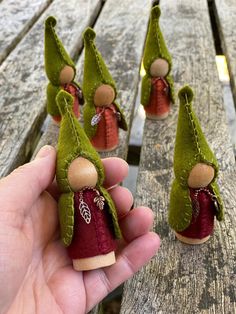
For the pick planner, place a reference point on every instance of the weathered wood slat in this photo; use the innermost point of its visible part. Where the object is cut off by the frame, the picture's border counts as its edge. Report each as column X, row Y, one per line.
column 23, row 82
column 225, row 11
column 121, row 29
column 181, row 278
column 16, row 18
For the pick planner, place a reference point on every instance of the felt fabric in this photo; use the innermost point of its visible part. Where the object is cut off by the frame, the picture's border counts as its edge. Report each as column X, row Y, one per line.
column 155, row 48
column 95, row 238
column 191, row 148
column 96, row 73
column 159, row 102
column 52, row 92
column 73, row 143
column 106, row 136
column 202, row 222
column 56, row 58
column 55, row 55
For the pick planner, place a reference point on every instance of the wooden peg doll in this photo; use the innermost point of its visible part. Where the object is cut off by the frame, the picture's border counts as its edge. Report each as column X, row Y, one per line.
column 195, row 198
column 60, row 70
column 157, row 91
column 88, row 217
column 102, row 115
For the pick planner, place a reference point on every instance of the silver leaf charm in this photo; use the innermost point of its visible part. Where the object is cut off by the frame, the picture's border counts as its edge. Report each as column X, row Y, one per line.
column 85, row 211
column 99, row 201
column 95, row 119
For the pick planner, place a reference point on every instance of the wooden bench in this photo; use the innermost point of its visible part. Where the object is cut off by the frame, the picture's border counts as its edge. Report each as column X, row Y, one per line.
column 185, row 279
column 180, row 279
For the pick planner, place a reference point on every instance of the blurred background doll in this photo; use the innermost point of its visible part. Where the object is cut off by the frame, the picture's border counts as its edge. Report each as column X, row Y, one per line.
column 102, row 115
column 157, row 85
column 60, row 70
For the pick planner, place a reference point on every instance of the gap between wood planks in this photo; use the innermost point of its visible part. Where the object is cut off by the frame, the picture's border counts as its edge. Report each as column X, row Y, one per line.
column 225, row 83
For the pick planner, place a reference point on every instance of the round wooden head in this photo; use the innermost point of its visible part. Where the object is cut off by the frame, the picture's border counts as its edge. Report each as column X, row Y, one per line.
column 159, row 68
column 66, row 75
column 200, row 176
column 104, row 95
column 82, row 173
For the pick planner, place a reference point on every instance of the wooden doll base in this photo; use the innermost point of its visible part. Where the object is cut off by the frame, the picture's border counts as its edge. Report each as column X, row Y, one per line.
column 100, row 150
column 161, row 117
column 191, row 240
column 94, row 262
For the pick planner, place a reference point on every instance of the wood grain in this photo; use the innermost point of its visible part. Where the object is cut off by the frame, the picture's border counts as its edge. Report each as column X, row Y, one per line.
column 23, row 81
column 120, row 38
column 16, row 18
column 182, row 278
column 225, row 11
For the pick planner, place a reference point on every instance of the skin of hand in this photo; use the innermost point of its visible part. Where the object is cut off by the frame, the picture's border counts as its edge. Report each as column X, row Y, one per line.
column 36, row 274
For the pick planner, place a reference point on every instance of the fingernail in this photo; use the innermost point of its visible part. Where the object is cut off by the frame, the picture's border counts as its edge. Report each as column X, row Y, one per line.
column 44, row 151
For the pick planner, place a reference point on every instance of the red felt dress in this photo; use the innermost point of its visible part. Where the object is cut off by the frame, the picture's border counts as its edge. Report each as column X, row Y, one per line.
column 159, row 102
column 204, row 210
column 73, row 90
column 107, row 134
column 93, row 233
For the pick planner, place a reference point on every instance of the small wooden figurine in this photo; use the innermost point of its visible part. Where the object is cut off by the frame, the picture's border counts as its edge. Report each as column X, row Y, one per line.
column 102, row 115
column 60, row 70
column 88, row 217
column 157, row 91
column 195, row 197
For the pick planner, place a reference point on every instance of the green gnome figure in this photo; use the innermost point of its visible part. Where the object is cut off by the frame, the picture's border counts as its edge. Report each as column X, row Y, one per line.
column 157, row 91
column 102, row 115
column 195, row 198
column 87, row 214
column 60, row 70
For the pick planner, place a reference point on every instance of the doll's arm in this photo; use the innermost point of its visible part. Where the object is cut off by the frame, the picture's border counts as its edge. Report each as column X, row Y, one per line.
column 220, row 211
column 171, row 86
column 122, row 122
column 145, row 90
column 52, row 107
column 180, row 208
column 66, row 217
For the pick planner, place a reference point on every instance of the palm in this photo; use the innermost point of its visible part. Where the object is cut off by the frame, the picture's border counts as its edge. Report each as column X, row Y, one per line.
column 37, row 271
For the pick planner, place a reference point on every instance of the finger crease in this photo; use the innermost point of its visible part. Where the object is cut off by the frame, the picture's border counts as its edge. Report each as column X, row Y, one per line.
column 106, row 282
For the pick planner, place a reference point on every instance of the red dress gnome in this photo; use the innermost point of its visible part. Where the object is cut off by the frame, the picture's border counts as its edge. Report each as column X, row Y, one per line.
column 157, row 85
column 102, row 115
column 88, row 218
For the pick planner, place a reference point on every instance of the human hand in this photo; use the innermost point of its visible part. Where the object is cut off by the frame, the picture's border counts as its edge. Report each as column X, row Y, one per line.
column 36, row 274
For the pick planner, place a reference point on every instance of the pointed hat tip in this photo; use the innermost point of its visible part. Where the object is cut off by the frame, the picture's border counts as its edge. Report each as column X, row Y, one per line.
column 156, row 11
column 89, row 34
column 185, row 94
column 50, row 21
column 64, row 101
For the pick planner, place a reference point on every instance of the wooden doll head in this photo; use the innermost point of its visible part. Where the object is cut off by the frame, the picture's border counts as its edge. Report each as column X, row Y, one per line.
column 66, row 75
column 159, row 68
column 104, row 95
column 201, row 176
column 82, row 173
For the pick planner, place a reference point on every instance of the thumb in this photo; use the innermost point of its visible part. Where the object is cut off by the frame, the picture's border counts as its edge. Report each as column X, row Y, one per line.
column 20, row 189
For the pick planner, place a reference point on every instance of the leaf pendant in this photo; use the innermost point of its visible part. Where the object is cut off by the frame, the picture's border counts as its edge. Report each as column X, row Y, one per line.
column 99, row 201
column 85, row 211
column 95, row 119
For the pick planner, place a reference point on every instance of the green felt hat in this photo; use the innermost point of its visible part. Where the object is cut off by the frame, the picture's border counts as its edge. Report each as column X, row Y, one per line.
column 95, row 69
column 191, row 146
column 155, row 46
column 72, row 143
column 55, row 55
